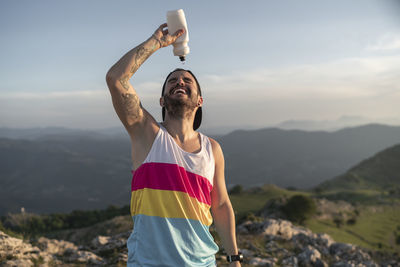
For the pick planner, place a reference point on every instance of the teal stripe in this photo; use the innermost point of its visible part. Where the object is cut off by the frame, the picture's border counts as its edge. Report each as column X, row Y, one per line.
column 158, row 241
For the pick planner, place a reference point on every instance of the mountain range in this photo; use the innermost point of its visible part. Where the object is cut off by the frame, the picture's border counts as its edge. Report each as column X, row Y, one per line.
column 301, row 159
column 380, row 172
column 60, row 172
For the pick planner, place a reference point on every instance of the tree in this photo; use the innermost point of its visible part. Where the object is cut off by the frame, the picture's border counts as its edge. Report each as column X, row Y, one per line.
column 299, row 208
column 352, row 221
column 338, row 221
column 237, row 189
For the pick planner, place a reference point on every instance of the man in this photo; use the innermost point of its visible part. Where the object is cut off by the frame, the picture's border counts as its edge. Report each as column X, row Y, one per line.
column 178, row 172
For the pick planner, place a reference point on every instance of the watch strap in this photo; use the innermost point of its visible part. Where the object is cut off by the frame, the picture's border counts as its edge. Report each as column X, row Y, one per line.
column 232, row 258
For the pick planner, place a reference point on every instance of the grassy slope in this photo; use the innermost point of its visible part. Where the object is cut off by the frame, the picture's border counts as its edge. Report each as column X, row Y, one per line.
column 247, row 202
column 380, row 172
column 360, row 196
column 375, row 224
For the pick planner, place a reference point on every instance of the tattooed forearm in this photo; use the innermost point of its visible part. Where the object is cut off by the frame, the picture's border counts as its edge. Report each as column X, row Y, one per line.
column 131, row 105
column 141, row 55
column 131, row 61
column 124, row 81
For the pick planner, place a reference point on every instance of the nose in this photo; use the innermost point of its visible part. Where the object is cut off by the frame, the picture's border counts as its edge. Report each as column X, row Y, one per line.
column 181, row 82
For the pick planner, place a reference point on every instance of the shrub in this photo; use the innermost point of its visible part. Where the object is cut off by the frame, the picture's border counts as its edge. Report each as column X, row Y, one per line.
column 351, row 221
column 318, row 190
column 291, row 188
column 398, row 239
column 299, row 208
column 237, row 189
column 338, row 221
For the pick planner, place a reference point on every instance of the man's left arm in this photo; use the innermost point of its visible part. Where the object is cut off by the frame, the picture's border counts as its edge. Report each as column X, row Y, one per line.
column 221, row 207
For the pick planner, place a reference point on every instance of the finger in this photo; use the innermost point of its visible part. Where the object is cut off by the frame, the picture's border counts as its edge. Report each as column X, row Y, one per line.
column 179, row 32
column 165, row 32
column 162, row 26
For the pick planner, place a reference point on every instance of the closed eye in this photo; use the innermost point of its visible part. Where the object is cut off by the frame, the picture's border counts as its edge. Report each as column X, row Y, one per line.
column 172, row 80
column 188, row 80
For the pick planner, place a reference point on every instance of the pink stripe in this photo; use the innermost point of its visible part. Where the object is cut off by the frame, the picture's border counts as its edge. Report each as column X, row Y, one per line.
column 166, row 176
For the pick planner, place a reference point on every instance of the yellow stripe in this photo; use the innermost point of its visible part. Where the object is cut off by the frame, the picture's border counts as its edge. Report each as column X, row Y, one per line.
column 169, row 204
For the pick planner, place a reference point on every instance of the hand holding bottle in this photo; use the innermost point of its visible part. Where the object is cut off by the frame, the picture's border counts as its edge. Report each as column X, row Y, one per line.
column 164, row 37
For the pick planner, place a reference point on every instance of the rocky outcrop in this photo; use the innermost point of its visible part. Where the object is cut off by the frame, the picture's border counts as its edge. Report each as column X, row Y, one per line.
column 271, row 242
column 297, row 246
column 15, row 252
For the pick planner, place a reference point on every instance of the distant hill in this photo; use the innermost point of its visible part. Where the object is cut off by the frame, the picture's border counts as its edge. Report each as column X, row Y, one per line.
column 48, row 132
column 380, row 172
column 300, row 158
column 325, row 125
column 62, row 172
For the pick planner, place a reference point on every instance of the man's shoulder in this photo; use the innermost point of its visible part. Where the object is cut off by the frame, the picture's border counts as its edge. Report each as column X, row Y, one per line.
column 216, row 147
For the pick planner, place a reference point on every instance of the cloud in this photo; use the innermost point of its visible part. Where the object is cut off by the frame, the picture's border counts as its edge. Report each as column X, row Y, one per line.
column 387, row 42
column 51, row 95
column 147, row 88
column 341, row 79
column 365, row 86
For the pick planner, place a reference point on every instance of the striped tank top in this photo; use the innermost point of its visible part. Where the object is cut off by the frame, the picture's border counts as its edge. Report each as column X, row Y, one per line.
column 170, row 206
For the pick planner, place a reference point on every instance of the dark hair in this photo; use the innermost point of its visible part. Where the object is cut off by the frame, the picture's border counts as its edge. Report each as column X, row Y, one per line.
column 199, row 113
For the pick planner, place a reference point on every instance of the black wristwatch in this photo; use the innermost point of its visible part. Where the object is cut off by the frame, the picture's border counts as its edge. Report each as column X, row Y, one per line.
column 232, row 258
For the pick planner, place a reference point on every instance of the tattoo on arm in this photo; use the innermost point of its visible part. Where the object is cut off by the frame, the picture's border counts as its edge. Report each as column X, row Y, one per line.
column 141, row 55
column 124, row 81
column 131, row 105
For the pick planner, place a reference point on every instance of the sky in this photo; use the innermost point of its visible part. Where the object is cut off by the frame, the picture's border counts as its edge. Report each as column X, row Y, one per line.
column 258, row 62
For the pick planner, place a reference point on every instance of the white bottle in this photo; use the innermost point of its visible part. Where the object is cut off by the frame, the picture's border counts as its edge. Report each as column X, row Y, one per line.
column 176, row 20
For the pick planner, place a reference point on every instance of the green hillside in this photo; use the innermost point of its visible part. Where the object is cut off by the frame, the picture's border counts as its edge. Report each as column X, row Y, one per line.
column 378, row 173
column 253, row 200
column 376, row 227
column 372, row 222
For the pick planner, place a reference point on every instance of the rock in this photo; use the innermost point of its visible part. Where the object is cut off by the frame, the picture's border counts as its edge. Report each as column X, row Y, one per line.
column 351, row 254
column 343, row 264
column 75, row 256
column 247, row 253
column 18, row 263
column 341, row 248
column 16, row 251
column 324, row 240
column 320, row 263
column 273, row 241
column 309, row 256
column 54, row 246
column 109, row 244
column 100, row 241
column 291, row 261
column 272, row 227
column 46, row 253
column 242, row 228
column 262, row 262
column 10, row 245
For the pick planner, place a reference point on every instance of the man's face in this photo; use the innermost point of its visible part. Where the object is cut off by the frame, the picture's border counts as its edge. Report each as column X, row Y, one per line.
column 181, row 84
column 181, row 93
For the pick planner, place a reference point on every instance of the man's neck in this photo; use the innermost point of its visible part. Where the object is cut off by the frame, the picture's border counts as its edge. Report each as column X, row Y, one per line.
column 181, row 129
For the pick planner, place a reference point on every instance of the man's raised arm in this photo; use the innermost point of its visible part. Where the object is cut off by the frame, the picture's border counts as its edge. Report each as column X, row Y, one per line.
column 125, row 100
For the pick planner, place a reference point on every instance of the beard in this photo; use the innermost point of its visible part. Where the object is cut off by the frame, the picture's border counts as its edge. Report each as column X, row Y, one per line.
column 179, row 108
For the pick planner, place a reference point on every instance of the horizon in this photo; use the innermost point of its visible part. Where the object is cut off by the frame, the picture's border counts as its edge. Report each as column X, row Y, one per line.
column 278, row 62
column 341, row 123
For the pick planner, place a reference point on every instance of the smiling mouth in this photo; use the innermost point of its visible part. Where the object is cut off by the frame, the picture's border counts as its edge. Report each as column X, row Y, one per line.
column 179, row 91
